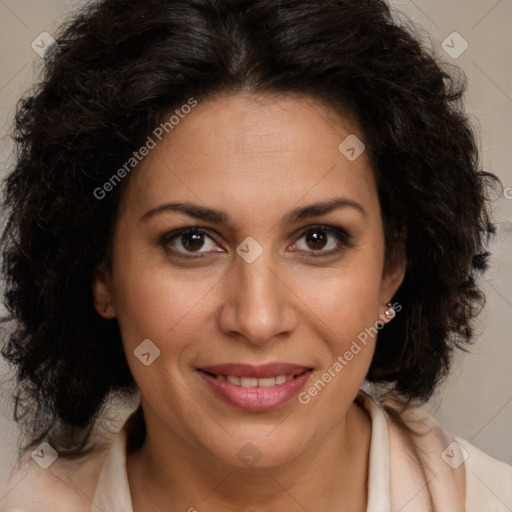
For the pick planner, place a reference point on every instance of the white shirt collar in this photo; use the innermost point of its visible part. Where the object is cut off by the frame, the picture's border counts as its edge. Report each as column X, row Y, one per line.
column 113, row 491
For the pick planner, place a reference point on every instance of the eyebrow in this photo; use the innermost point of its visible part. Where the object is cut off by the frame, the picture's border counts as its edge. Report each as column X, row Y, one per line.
column 219, row 217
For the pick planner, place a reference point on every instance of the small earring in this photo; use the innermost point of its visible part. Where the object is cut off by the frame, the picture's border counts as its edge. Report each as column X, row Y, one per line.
column 101, row 307
column 390, row 312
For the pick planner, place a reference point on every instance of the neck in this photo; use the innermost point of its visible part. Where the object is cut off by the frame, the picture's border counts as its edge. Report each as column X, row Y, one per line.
column 330, row 474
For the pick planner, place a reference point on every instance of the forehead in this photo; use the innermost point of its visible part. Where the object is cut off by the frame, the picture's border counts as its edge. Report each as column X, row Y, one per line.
column 237, row 150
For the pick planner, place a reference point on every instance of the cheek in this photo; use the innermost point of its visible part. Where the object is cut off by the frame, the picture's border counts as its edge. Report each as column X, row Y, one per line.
column 167, row 308
column 346, row 301
column 344, row 312
column 156, row 302
column 345, row 304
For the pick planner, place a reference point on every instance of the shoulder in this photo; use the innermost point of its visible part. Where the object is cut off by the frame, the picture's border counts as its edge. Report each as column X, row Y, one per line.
column 60, row 487
column 428, row 464
column 488, row 480
column 56, row 484
column 459, row 473
column 41, row 481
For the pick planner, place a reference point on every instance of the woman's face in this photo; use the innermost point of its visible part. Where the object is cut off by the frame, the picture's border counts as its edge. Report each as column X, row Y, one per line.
column 287, row 267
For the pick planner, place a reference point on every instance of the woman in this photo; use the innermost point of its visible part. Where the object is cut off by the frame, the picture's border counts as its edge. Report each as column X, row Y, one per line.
column 244, row 210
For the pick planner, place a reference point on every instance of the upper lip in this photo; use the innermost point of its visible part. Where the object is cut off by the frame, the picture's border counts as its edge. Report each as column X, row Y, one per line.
column 259, row 372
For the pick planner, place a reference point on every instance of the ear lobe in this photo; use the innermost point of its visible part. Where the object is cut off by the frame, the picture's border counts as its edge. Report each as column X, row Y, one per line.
column 102, row 293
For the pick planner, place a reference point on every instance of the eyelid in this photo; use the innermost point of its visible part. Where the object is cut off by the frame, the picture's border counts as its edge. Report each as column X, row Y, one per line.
column 166, row 239
column 341, row 234
column 329, row 228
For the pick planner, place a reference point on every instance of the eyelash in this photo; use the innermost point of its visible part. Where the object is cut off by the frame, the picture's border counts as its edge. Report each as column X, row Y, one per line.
column 343, row 237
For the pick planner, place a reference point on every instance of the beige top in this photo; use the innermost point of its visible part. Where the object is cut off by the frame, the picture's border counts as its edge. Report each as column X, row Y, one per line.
column 461, row 477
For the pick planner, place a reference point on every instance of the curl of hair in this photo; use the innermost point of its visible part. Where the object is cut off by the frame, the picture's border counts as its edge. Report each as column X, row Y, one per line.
column 120, row 66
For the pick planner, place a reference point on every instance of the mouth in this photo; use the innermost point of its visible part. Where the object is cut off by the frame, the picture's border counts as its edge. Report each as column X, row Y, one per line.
column 253, row 382
column 255, row 388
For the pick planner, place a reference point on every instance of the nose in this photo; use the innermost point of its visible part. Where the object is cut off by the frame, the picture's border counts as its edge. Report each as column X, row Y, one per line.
column 258, row 305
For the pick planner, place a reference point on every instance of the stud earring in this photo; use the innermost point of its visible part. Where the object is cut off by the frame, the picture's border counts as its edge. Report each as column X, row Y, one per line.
column 390, row 312
column 101, row 308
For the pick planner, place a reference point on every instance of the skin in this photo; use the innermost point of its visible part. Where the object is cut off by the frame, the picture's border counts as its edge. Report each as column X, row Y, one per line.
column 256, row 158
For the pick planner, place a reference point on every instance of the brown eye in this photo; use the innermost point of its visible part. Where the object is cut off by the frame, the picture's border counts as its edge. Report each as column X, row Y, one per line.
column 323, row 241
column 192, row 241
column 316, row 240
column 189, row 240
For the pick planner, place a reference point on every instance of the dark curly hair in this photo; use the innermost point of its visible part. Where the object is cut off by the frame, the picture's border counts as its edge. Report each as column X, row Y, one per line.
column 119, row 67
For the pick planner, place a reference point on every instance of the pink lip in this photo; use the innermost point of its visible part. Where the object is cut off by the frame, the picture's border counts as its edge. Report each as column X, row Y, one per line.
column 256, row 399
column 258, row 372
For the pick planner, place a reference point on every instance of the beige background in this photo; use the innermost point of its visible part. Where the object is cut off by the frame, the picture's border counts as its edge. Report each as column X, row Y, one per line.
column 476, row 403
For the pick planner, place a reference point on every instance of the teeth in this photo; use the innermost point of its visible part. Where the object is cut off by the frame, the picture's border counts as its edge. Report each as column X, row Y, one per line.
column 248, row 382
column 252, row 382
column 267, row 382
column 233, row 380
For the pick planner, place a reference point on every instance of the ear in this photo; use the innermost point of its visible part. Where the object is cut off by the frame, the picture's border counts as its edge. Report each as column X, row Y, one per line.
column 394, row 273
column 101, row 290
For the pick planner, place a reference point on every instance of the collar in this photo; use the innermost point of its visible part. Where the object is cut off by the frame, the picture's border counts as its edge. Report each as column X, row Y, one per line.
column 113, row 491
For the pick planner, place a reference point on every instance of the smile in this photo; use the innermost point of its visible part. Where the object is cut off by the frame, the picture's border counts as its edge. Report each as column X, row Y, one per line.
column 255, row 388
column 252, row 382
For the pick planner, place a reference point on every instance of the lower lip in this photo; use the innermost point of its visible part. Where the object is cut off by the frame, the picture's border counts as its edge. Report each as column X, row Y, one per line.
column 256, row 399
